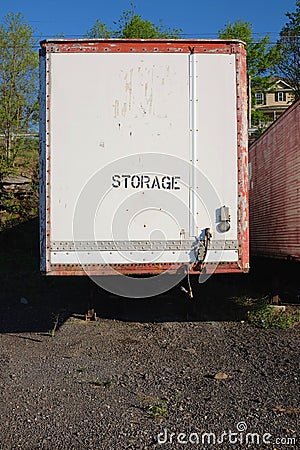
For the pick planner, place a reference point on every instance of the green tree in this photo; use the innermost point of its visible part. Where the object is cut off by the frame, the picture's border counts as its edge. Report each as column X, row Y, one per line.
column 18, row 88
column 99, row 30
column 262, row 58
column 131, row 26
column 289, row 47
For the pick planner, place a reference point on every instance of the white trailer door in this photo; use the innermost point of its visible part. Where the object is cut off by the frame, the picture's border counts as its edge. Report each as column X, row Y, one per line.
column 215, row 152
column 113, row 116
column 143, row 149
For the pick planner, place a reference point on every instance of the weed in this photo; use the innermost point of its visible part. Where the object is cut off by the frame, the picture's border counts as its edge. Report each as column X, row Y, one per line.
column 103, row 383
column 156, row 407
column 260, row 313
column 243, row 301
column 81, row 369
column 52, row 332
column 157, row 410
column 265, row 316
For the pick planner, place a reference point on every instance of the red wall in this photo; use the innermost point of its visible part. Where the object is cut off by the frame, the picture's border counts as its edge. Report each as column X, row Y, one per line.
column 274, row 188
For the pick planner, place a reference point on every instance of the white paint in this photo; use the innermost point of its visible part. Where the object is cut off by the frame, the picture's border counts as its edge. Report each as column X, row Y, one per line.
column 132, row 257
column 217, row 136
column 103, row 108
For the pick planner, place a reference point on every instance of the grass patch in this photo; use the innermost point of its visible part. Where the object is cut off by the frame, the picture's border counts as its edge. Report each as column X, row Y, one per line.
column 158, row 410
column 155, row 407
column 261, row 314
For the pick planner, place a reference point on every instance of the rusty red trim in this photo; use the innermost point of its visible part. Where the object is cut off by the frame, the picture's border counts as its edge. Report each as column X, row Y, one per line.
column 142, row 269
column 141, row 46
column 242, row 141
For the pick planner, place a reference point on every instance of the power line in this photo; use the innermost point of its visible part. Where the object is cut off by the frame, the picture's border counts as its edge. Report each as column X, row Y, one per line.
column 181, row 35
column 263, row 34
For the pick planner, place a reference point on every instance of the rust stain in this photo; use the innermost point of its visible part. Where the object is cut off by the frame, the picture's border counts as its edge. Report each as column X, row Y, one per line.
column 242, row 136
column 129, row 88
column 116, row 109
column 141, row 46
column 141, row 268
column 124, row 109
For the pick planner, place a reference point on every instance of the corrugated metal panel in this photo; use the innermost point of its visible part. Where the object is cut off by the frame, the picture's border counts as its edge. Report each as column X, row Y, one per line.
column 275, row 188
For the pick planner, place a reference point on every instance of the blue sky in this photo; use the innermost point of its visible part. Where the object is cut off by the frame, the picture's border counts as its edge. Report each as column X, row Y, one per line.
column 197, row 18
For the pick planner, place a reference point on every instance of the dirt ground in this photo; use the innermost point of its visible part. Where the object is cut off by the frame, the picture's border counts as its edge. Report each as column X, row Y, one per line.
column 165, row 372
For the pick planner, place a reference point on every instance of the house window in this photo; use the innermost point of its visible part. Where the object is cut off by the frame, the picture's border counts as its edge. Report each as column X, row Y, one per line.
column 280, row 96
column 260, row 98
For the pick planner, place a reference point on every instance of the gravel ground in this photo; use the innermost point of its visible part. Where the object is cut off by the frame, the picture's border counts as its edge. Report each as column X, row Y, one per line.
column 131, row 383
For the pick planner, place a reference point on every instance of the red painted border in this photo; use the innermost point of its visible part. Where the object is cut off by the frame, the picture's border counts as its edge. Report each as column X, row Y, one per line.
column 242, row 141
column 142, row 269
column 141, row 46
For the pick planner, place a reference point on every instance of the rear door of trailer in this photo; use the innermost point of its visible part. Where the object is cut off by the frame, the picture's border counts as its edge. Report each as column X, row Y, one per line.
column 143, row 148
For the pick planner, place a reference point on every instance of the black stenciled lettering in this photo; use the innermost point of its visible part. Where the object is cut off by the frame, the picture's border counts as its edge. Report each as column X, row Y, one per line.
column 135, row 181
column 166, row 182
column 116, row 181
column 145, row 181
column 174, row 183
column 155, row 183
column 126, row 178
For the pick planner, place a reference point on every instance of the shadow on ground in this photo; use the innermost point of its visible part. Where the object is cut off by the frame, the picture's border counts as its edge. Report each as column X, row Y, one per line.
column 30, row 302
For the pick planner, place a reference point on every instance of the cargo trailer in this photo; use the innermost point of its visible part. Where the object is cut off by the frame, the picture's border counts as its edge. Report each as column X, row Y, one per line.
column 274, row 188
column 143, row 157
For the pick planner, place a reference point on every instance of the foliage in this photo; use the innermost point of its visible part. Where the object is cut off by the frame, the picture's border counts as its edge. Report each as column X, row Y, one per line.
column 131, row 26
column 261, row 314
column 259, row 120
column 155, row 406
column 18, row 88
column 16, row 207
column 262, row 58
column 157, row 410
column 99, row 30
column 289, row 47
